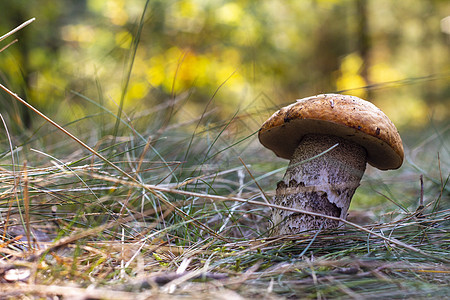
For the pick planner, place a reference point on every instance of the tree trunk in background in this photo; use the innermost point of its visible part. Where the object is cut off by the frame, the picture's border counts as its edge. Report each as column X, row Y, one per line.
column 363, row 39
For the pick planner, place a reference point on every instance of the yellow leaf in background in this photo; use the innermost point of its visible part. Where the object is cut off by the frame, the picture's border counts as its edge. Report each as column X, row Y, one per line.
column 351, row 64
column 185, row 16
column 403, row 110
column 115, row 10
column 230, row 13
column 155, row 74
column 78, row 33
column 350, row 78
column 123, row 39
column 382, row 72
column 352, row 82
column 138, row 90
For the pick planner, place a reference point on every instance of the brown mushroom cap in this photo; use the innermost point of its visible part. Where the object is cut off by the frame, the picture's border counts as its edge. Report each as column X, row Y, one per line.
column 345, row 116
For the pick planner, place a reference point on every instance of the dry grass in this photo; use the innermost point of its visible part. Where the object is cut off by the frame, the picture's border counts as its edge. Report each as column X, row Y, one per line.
column 97, row 235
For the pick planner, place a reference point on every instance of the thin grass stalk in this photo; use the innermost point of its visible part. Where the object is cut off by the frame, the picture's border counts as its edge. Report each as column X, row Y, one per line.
column 266, row 198
column 14, row 177
column 26, row 201
column 8, row 45
column 203, row 115
column 135, row 45
column 26, row 23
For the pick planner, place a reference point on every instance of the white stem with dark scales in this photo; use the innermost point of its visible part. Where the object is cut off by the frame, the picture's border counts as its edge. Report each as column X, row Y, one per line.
column 325, row 184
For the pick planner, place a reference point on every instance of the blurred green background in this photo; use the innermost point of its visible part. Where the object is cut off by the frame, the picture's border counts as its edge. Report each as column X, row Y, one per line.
column 249, row 57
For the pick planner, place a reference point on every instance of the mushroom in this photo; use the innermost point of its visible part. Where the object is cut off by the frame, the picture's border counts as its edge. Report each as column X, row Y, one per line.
column 328, row 139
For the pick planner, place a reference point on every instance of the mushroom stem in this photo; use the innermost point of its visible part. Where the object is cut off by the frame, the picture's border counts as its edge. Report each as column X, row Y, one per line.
column 323, row 185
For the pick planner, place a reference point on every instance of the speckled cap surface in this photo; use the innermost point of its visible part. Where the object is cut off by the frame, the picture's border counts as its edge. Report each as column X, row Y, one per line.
column 345, row 116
